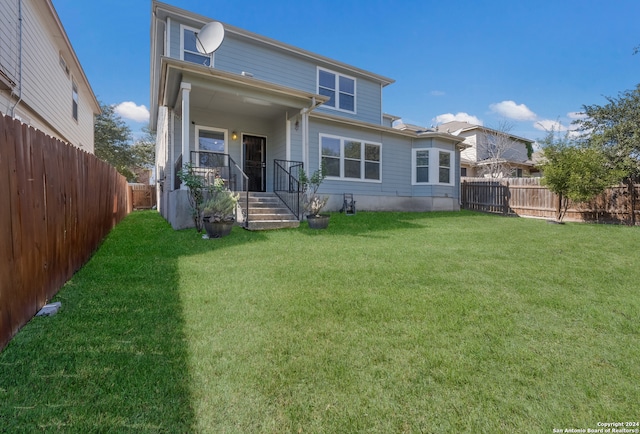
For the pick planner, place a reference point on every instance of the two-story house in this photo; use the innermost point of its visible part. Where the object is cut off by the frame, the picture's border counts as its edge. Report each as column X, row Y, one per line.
column 41, row 80
column 492, row 153
column 269, row 108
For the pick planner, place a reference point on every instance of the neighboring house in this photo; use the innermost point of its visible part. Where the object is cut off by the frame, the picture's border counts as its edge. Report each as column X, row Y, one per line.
column 41, row 80
column 492, row 153
column 271, row 108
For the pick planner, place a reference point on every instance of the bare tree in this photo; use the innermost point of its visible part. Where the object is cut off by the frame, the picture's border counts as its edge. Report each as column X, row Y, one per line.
column 496, row 151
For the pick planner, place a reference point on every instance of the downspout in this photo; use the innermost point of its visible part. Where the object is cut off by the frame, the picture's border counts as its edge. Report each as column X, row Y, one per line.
column 13, row 109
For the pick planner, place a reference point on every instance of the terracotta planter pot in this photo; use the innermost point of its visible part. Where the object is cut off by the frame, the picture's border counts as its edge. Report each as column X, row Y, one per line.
column 318, row 222
column 218, row 229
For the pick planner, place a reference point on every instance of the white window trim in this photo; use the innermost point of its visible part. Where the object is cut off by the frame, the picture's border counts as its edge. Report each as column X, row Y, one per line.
column 193, row 29
column 75, row 101
column 342, row 158
column 215, row 130
column 337, row 90
column 434, row 166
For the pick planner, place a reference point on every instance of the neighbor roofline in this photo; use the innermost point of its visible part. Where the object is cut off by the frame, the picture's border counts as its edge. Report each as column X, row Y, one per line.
column 481, row 127
column 457, row 141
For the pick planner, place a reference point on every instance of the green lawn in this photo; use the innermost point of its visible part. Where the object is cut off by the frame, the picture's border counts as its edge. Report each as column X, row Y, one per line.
column 385, row 322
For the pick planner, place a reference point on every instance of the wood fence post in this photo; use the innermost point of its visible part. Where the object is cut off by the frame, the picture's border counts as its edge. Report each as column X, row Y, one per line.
column 463, row 194
column 505, row 199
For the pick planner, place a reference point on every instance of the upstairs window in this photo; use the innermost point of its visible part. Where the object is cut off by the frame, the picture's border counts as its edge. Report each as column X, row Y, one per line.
column 74, row 100
column 189, row 50
column 350, row 159
column 341, row 90
column 63, row 65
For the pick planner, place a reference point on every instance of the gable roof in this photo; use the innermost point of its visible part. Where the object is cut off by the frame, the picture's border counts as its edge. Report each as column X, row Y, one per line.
column 162, row 10
column 457, row 127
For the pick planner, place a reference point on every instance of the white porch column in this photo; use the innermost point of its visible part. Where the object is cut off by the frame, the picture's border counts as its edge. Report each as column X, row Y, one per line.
column 305, row 140
column 288, row 139
column 185, row 89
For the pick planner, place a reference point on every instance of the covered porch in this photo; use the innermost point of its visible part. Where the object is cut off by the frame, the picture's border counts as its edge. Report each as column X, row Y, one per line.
column 251, row 122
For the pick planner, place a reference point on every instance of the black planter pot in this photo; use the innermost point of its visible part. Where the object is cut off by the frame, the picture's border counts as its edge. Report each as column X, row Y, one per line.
column 318, row 222
column 218, row 229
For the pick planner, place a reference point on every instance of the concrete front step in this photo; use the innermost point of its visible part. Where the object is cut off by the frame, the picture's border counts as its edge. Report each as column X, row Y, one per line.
column 264, row 225
column 267, row 212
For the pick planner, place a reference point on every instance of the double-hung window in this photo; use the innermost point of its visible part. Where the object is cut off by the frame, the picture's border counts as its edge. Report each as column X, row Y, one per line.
column 189, row 50
column 211, row 146
column 432, row 166
column 74, row 100
column 341, row 89
column 350, row 159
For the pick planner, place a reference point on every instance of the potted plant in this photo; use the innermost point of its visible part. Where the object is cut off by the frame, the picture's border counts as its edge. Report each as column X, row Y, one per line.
column 312, row 202
column 197, row 188
column 219, row 210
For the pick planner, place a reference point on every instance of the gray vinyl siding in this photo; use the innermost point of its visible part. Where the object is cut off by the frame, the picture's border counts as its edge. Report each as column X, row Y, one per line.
column 9, row 40
column 368, row 103
column 176, row 130
column 174, row 39
column 274, row 65
column 296, row 142
column 436, row 190
column 396, row 160
column 395, row 155
column 46, row 88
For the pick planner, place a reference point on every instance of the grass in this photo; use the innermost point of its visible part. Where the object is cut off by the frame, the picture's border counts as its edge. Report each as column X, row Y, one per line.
column 385, row 322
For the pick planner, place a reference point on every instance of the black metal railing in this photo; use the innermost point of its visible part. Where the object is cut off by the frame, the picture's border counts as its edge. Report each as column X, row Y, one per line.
column 212, row 165
column 286, row 183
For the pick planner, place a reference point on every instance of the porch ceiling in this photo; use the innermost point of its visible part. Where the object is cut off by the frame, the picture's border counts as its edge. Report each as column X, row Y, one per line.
column 215, row 90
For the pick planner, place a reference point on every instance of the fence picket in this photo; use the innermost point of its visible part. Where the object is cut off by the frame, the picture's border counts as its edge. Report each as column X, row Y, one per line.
column 527, row 197
column 57, row 205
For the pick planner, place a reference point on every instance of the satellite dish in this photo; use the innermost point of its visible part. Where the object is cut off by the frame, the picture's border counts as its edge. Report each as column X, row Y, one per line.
column 209, row 38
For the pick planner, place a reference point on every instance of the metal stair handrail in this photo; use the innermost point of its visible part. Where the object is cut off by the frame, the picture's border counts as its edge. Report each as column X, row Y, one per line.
column 286, row 183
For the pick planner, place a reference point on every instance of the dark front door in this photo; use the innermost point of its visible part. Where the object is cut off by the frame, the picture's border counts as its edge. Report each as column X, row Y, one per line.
column 255, row 163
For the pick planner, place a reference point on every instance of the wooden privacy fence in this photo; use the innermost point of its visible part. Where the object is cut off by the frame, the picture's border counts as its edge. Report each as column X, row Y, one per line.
column 57, row 203
column 527, row 197
column 142, row 196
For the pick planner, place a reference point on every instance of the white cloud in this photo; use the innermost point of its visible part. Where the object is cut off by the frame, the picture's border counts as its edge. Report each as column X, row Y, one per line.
column 129, row 110
column 511, row 110
column 460, row 116
column 548, row 125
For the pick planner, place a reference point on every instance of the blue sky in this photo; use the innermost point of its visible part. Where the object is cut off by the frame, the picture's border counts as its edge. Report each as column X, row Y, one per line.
column 529, row 63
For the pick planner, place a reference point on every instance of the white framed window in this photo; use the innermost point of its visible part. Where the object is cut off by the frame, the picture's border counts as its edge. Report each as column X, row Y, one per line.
column 431, row 166
column 421, row 166
column 340, row 88
column 74, row 100
column 188, row 49
column 351, row 159
column 63, row 65
column 208, row 141
column 444, row 167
